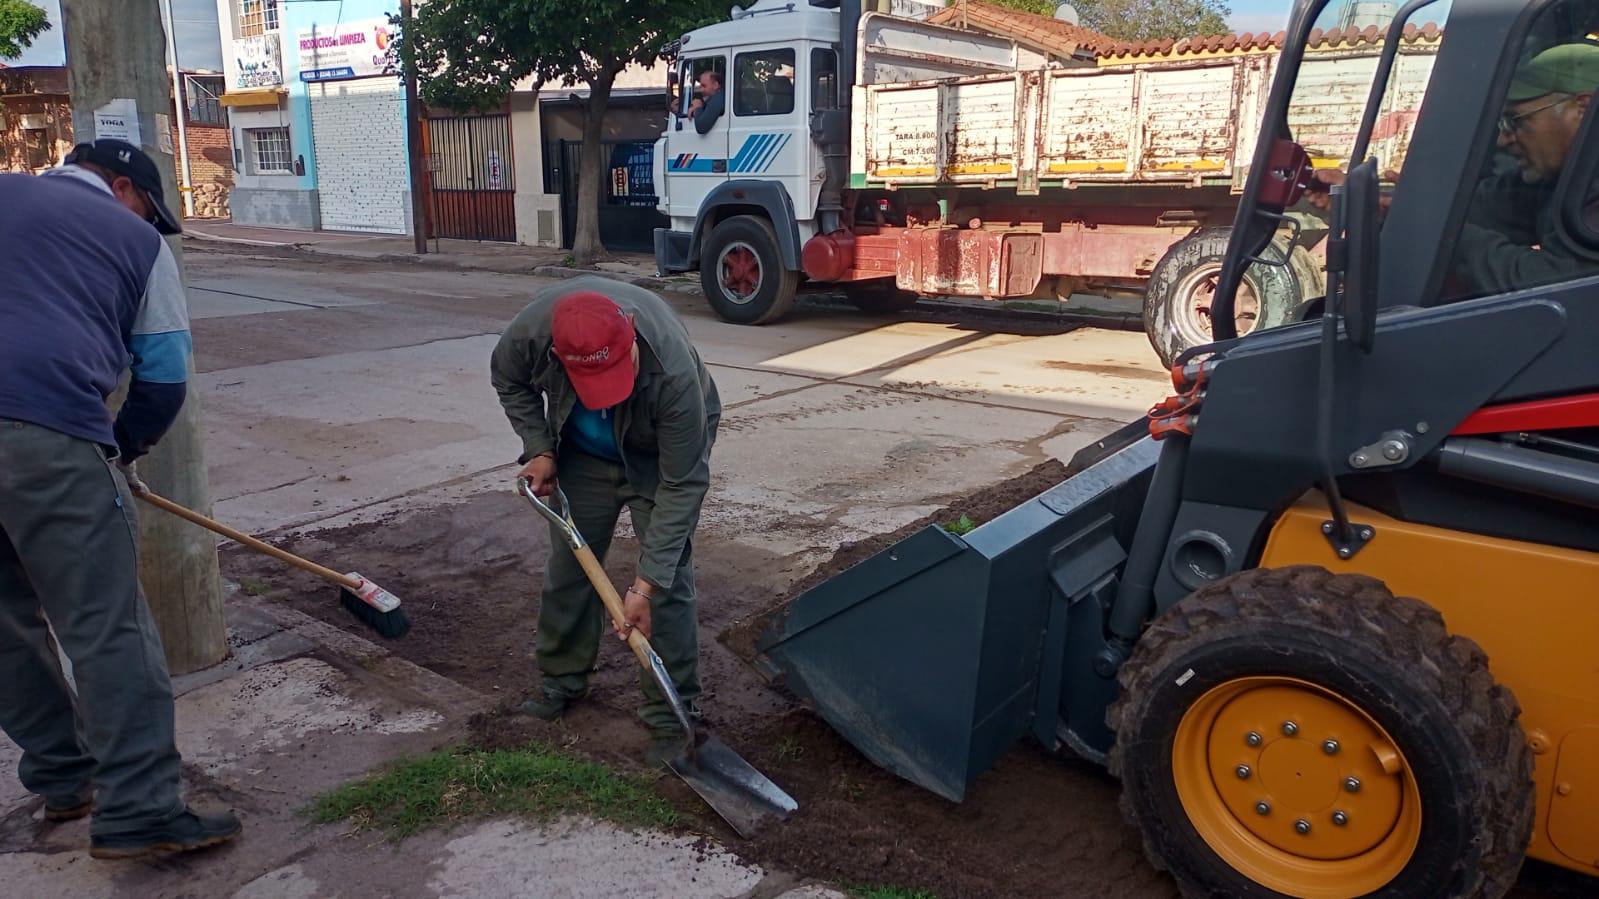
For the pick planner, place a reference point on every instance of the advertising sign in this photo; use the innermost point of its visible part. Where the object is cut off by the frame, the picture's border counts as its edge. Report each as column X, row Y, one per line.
column 359, row 49
column 258, row 62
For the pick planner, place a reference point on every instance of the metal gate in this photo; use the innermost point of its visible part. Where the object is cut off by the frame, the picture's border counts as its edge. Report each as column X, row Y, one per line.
column 473, row 183
column 628, row 217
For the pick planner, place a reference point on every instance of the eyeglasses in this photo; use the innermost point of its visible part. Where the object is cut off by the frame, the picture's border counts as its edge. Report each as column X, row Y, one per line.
column 1509, row 124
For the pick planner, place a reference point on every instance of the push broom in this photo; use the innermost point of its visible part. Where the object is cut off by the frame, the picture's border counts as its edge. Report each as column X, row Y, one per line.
column 372, row 605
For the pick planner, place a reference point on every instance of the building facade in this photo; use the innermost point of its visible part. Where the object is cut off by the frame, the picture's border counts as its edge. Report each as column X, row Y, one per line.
column 317, row 113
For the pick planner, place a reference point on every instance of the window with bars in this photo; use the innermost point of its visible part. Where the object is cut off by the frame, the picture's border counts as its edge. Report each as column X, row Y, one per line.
column 36, row 147
column 203, row 94
column 257, row 17
column 269, row 151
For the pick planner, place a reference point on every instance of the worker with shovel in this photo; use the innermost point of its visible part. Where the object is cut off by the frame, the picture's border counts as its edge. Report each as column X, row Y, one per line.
column 89, row 285
column 600, row 381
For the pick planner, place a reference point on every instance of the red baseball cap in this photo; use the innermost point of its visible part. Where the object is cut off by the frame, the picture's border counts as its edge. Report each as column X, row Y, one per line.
column 594, row 343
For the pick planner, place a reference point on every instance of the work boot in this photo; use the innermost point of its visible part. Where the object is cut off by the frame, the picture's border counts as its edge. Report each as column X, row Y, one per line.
column 549, row 706
column 69, row 808
column 665, row 745
column 185, row 833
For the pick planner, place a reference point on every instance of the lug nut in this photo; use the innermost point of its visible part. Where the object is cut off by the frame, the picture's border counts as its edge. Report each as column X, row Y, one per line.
column 1253, row 739
column 1330, row 747
column 1352, row 784
column 1302, row 827
column 1263, row 807
column 1290, row 728
column 1340, row 819
column 1243, row 772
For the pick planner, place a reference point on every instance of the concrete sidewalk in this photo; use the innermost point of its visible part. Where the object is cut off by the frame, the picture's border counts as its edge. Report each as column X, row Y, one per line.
column 488, row 256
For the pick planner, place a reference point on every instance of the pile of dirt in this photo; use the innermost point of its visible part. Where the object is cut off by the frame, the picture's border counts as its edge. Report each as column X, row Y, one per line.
column 979, row 507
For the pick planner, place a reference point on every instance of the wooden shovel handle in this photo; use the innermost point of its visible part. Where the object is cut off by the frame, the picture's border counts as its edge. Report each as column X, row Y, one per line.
column 613, row 603
column 189, row 515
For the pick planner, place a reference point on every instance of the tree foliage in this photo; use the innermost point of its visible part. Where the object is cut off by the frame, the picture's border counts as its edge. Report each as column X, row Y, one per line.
column 20, row 23
column 471, row 53
column 1139, row 20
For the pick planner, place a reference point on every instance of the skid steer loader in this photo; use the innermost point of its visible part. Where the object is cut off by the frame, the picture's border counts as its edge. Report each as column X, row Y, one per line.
column 1331, row 612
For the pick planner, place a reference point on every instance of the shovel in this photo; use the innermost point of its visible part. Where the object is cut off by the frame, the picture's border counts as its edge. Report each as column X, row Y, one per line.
column 743, row 796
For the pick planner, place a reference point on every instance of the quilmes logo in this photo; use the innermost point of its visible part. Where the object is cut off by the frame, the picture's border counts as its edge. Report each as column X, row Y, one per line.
column 600, row 355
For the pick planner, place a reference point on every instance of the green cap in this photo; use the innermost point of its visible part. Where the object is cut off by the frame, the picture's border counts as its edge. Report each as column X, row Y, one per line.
column 1565, row 69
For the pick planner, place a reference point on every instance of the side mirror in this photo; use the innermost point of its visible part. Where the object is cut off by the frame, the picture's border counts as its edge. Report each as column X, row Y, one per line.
column 1362, row 224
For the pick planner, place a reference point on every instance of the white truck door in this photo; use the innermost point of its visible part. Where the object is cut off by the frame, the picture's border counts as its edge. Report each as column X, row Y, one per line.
column 695, row 163
column 769, row 137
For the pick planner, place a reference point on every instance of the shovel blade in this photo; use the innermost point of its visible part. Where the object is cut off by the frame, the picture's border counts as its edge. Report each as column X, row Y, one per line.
column 743, row 796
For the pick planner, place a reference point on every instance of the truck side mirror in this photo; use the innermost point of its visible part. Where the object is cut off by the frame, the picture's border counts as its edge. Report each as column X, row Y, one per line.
column 1362, row 220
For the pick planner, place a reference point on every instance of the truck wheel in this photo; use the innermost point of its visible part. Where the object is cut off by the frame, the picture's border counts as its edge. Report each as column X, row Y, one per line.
column 1290, row 731
column 742, row 273
column 1181, row 288
column 880, row 297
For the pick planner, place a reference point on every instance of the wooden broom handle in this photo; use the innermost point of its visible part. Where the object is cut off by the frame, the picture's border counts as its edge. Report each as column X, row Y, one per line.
column 613, row 603
column 189, row 515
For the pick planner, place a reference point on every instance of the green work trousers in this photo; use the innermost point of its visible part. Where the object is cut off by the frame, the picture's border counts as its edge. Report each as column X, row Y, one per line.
column 572, row 620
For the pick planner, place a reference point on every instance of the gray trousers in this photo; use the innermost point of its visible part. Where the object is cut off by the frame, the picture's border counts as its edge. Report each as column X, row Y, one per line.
column 571, row 619
column 68, row 554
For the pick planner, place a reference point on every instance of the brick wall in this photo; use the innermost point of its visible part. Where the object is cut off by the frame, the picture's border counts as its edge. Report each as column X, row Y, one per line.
column 24, row 148
column 358, row 130
column 210, row 168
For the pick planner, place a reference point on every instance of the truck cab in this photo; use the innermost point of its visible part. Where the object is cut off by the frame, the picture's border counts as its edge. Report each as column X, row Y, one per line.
column 777, row 63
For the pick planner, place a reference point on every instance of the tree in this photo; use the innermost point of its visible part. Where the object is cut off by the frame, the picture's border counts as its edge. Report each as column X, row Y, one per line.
column 470, row 54
column 20, row 23
column 1140, row 20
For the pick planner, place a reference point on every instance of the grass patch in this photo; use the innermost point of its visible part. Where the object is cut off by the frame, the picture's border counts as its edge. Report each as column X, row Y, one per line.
column 253, row 586
column 459, row 783
column 890, row 893
column 961, row 526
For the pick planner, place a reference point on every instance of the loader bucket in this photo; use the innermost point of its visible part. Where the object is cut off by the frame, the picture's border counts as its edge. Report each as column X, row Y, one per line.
column 934, row 656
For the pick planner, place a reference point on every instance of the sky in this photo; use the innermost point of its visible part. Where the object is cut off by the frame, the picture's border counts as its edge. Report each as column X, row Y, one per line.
column 198, row 44
column 1259, row 15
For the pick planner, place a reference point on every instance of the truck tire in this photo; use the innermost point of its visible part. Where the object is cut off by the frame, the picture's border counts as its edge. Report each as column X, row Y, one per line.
column 1177, row 299
column 1222, row 723
column 881, row 297
column 742, row 273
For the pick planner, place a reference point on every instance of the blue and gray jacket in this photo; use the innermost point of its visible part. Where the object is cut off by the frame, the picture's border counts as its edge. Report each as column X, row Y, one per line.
column 89, row 290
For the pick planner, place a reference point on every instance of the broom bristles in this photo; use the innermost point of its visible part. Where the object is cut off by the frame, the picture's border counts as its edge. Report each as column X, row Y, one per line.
column 390, row 625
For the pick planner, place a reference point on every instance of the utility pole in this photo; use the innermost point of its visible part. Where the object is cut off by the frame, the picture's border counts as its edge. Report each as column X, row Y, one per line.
column 116, row 50
column 413, row 136
column 181, row 108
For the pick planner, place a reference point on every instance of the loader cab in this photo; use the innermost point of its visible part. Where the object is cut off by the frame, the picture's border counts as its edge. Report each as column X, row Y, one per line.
column 1493, row 191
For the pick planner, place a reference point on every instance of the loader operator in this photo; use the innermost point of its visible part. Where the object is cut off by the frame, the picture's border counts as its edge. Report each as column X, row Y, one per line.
column 600, row 381
column 89, row 285
column 1510, row 239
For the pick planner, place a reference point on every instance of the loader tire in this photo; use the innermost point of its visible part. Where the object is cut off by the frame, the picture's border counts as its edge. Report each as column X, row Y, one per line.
column 742, row 272
column 1177, row 298
column 1222, row 723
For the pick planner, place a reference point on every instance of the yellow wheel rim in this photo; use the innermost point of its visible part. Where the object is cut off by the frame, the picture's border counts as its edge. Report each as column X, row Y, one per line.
column 1296, row 788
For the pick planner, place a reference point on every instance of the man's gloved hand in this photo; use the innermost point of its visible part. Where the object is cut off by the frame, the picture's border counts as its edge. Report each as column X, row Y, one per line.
column 131, row 475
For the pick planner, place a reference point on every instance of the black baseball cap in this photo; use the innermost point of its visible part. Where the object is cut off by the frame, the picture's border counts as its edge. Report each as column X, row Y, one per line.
column 123, row 158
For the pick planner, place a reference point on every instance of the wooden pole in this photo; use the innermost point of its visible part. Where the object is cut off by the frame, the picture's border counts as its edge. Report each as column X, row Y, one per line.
column 116, row 49
column 413, row 137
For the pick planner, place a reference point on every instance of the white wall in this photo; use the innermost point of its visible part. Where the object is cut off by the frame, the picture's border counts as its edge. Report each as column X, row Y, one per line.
column 359, row 132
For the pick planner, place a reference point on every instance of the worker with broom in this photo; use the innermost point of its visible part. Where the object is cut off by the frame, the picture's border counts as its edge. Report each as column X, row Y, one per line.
column 601, row 383
column 89, row 285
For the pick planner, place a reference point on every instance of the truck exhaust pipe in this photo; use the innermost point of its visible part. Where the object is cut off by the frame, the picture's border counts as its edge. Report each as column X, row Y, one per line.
column 830, row 127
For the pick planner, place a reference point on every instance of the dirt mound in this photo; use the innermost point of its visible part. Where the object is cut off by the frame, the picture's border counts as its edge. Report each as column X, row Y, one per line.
column 978, row 507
